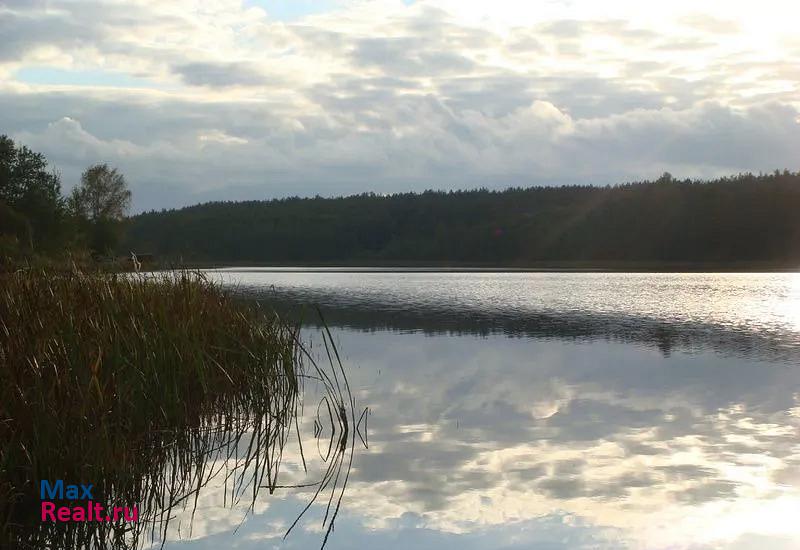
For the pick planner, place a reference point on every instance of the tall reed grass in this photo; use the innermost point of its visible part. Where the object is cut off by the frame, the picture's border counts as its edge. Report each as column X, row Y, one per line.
column 132, row 382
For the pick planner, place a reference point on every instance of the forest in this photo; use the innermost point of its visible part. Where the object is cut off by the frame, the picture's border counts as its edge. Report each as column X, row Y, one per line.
column 742, row 218
column 737, row 220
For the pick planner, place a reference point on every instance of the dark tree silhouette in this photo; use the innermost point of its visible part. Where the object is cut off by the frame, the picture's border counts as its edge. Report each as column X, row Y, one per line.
column 30, row 195
column 744, row 218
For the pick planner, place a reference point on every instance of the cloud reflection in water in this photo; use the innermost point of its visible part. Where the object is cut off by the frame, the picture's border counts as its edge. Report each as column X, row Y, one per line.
column 555, row 441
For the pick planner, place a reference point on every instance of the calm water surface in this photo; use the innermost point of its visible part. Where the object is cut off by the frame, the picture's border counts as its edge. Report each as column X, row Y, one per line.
column 546, row 410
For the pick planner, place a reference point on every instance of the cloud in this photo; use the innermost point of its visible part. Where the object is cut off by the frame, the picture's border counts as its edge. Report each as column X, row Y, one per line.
column 711, row 24
column 387, row 97
column 367, row 136
column 221, row 75
column 705, row 492
column 397, row 56
column 26, row 32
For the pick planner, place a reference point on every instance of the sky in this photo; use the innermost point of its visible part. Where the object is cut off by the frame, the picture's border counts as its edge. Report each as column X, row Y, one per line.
column 256, row 99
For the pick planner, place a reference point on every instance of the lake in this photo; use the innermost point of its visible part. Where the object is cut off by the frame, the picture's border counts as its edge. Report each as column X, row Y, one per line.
column 541, row 410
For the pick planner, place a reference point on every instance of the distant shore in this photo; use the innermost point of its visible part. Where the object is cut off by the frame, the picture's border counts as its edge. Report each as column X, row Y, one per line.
column 555, row 267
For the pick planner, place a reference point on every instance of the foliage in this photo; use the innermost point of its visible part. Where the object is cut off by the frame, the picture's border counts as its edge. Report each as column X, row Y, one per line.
column 99, row 205
column 31, row 206
column 15, row 230
column 741, row 218
column 36, row 221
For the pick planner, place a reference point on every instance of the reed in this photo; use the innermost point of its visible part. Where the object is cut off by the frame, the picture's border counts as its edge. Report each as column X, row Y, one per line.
column 133, row 382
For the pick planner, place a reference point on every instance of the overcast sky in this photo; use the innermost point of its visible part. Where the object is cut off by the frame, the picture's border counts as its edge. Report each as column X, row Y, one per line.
column 224, row 99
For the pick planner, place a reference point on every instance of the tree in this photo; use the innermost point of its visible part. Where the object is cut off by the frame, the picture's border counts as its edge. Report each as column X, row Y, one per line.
column 99, row 204
column 102, row 195
column 666, row 177
column 32, row 192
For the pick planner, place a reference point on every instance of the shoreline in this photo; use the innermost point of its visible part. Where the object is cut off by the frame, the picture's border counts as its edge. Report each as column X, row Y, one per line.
column 538, row 267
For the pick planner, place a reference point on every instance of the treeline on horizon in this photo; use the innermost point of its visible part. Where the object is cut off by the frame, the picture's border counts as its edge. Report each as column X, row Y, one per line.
column 742, row 218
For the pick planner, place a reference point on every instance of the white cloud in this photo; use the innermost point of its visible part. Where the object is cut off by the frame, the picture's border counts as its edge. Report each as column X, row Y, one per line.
column 382, row 96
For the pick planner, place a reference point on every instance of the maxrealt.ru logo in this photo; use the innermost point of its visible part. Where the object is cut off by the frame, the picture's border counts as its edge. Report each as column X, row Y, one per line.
column 89, row 511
